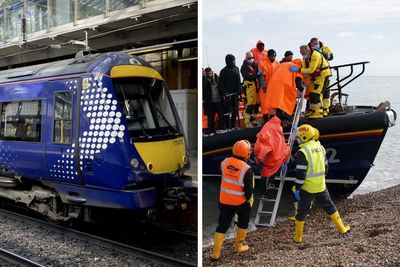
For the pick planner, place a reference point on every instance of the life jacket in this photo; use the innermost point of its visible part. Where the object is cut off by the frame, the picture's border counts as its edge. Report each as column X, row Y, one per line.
column 326, row 52
column 316, row 65
column 315, row 175
column 232, row 182
column 271, row 148
column 282, row 91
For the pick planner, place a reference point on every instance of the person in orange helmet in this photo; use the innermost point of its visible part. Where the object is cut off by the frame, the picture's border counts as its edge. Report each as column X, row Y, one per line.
column 236, row 197
column 282, row 91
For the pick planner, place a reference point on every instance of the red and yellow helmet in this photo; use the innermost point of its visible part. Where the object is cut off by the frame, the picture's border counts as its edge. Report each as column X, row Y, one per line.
column 305, row 133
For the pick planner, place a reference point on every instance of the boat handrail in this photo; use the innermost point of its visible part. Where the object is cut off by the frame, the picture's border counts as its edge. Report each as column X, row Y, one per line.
column 339, row 80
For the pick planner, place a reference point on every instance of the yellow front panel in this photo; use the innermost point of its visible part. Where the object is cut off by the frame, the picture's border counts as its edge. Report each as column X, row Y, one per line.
column 125, row 71
column 163, row 156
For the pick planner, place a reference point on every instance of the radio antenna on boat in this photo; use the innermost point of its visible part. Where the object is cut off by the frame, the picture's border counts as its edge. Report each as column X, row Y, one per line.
column 205, row 49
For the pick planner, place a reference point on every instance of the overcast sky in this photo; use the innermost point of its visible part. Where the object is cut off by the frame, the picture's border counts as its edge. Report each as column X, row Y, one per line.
column 355, row 30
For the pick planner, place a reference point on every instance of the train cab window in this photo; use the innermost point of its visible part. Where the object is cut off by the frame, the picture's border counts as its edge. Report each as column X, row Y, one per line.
column 62, row 132
column 146, row 106
column 21, row 121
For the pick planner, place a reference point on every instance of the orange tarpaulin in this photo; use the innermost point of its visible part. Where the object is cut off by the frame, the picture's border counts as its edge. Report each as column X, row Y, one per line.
column 271, row 148
column 281, row 91
column 268, row 69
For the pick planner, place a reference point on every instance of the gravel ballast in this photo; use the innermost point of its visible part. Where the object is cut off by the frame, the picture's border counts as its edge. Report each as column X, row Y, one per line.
column 374, row 238
column 53, row 248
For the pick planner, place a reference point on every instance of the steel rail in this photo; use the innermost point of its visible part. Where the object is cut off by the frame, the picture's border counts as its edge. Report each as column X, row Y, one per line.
column 17, row 259
column 104, row 242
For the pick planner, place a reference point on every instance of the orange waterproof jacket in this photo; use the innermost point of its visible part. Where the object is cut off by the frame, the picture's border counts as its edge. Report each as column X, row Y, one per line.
column 232, row 182
column 268, row 69
column 271, row 148
column 282, row 91
column 259, row 56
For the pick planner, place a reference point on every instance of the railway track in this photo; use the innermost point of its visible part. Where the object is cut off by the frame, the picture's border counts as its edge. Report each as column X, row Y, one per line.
column 13, row 258
column 154, row 257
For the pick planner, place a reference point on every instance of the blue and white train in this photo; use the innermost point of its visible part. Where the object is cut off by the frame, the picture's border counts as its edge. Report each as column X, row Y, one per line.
column 97, row 131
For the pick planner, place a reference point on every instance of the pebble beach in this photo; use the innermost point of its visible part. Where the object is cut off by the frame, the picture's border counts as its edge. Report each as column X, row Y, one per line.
column 374, row 238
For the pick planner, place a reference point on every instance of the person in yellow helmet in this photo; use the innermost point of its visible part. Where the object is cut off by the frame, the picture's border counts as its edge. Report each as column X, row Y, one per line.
column 311, row 168
column 296, row 203
column 236, row 197
column 317, row 67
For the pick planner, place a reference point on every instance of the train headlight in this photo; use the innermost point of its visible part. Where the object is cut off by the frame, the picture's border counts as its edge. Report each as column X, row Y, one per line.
column 134, row 162
column 150, row 166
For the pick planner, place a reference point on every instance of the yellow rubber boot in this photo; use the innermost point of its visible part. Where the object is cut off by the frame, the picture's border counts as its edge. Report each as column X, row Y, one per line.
column 298, row 231
column 247, row 123
column 325, row 105
column 315, row 111
column 239, row 241
column 339, row 224
column 218, row 240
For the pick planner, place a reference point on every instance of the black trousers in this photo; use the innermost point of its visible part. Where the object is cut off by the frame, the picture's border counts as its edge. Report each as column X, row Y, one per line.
column 231, row 111
column 323, row 199
column 219, row 109
column 226, row 213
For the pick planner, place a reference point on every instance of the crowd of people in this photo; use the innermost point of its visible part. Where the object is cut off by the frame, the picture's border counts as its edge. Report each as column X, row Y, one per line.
column 265, row 85
column 270, row 88
column 237, row 182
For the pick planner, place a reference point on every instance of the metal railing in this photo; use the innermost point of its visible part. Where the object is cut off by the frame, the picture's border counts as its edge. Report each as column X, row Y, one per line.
column 341, row 82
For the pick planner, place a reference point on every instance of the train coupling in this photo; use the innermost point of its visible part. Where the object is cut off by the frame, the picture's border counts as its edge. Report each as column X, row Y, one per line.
column 175, row 198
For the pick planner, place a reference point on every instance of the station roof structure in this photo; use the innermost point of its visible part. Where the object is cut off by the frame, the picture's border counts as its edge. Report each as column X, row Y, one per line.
column 140, row 26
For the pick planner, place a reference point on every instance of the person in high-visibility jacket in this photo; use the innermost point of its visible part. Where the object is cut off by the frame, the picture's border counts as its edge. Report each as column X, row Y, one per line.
column 282, row 91
column 296, row 203
column 251, row 84
column 311, row 168
column 315, row 65
column 270, row 149
column 316, row 44
column 267, row 67
column 236, row 197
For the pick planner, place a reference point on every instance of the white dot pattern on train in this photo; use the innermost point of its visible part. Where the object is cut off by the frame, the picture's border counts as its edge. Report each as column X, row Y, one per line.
column 8, row 159
column 99, row 107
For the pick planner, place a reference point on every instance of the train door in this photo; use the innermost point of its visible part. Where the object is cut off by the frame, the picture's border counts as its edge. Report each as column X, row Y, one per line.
column 61, row 151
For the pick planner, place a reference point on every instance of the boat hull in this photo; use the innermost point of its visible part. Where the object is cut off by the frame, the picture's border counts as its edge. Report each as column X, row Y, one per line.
column 352, row 141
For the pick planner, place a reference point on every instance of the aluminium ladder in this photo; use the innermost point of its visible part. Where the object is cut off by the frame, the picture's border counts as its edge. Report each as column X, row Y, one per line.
column 266, row 217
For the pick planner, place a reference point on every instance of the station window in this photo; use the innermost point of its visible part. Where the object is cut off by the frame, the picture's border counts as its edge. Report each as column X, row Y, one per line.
column 36, row 15
column 63, row 118
column 92, row 8
column 121, row 4
column 21, row 121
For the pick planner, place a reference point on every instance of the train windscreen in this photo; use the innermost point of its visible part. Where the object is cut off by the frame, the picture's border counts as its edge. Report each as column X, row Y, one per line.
column 146, row 107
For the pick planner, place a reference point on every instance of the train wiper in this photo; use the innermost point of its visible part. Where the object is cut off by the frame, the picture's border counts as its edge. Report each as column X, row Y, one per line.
column 166, row 121
column 130, row 110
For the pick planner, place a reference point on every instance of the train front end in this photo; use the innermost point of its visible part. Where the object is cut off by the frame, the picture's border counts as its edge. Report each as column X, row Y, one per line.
column 158, row 155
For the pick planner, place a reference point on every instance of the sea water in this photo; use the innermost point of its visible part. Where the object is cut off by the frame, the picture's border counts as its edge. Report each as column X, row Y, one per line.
column 366, row 90
column 371, row 90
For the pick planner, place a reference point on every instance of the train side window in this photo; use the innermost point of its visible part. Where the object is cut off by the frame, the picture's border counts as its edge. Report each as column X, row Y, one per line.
column 62, row 132
column 21, row 121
